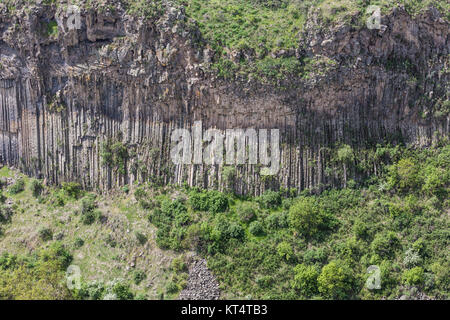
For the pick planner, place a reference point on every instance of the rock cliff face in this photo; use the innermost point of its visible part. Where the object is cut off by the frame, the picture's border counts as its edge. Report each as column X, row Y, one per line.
column 69, row 97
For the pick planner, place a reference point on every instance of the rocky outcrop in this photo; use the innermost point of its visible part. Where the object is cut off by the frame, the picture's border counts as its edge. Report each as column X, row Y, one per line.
column 67, row 97
column 201, row 284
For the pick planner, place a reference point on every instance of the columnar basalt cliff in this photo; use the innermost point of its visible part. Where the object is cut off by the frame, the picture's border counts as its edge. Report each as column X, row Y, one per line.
column 119, row 85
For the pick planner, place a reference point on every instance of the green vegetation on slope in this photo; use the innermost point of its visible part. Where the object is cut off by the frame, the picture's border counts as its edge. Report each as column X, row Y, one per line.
column 320, row 246
column 278, row 245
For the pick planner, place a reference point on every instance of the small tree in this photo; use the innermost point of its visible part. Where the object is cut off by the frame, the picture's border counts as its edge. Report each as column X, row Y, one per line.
column 335, row 281
column 345, row 156
column 305, row 280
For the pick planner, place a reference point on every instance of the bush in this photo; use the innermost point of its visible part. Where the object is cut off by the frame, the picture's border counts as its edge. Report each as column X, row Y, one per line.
column 277, row 220
column 246, row 212
column 361, row 230
column 146, row 205
column 336, row 281
column 403, row 175
column 305, row 280
column 213, row 201
column 88, row 204
column 139, row 276
column 178, row 265
column 235, row 231
column 414, row 276
column 114, row 154
column 264, row 282
column 412, row 258
column 308, row 218
column 172, row 221
column 385, row 244
column 58, row 198
column 285, row 250
column 141, row 238
column 90, row 217
column 36, row 188
column 140, row 194
column 441, row 272
column 256, row 228
column 270, row 199
column 313, row 256
column 78, row 242
column 172, row 287
column 72, row 189
column 122, row 291
column 18, row 186
column 46, row 234
column 5, row 213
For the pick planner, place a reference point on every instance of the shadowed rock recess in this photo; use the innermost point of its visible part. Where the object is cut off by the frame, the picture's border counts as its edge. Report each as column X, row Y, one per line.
column 120, row 84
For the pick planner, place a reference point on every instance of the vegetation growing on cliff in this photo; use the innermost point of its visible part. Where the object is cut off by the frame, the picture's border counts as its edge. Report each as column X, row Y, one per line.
column 278, row 245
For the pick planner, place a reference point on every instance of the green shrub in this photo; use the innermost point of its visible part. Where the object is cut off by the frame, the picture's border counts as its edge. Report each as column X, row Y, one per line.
column 146, row 205
column 139, row 276
column 91, row 216
column 140, row 194
column 36, row 187
column 256, row 228
column 404, row 175
column 305, row 280
column 46, row 234
column 18, row 186
column 78, row 242
column 172, row 287
column 285, row 251
column 58, row 198
column 213, row 201
column 141, row 238
column 2, row 197
column 122, row 291
column 88, row 204
column 3, row 183
column 385, row 244
column 246, row 212
column 414, row 276
column 441, row 272
column 336, row 281
column 361, row 230
column 265, row 282
column 115, row 154
column 308, row 218
column 72, row 189
column 312, row 256
column 172, row 221
column 178, row 265
column 6, row 213
column 270, row 199
column 277, row 220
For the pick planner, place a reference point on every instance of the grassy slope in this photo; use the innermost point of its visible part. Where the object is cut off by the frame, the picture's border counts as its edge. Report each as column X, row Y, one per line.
column 97, row 258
